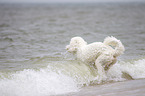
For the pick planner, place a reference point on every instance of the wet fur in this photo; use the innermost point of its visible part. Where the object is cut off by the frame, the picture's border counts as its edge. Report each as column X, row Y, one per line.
column 102, row 54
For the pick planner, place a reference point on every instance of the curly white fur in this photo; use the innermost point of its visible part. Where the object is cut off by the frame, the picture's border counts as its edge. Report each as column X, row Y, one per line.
column 103, row 55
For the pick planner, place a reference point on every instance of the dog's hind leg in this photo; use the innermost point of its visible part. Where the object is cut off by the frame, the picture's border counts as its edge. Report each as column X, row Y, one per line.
column 108, row 65
column 100, row 61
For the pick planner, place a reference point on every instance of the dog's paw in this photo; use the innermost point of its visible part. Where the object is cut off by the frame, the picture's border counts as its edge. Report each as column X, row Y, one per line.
column 101, row 78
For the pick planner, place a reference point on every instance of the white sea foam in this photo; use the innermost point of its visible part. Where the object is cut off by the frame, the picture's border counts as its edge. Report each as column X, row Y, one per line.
column 134, row 69
column 37, row 83
column 64, row 77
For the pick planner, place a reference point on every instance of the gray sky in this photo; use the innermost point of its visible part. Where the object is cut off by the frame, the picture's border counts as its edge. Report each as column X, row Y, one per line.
column 61, row 1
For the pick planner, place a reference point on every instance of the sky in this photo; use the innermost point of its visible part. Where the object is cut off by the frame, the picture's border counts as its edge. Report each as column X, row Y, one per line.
column 61, row 1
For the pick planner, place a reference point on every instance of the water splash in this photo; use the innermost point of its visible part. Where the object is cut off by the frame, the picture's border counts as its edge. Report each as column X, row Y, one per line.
column 128, row 70
column 61, row 77
column 37, row 83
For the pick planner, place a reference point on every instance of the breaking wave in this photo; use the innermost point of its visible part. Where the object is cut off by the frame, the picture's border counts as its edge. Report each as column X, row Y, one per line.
column 64, row 76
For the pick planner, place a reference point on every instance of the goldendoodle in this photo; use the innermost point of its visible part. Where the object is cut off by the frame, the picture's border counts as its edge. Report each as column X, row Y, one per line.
column 102, row 54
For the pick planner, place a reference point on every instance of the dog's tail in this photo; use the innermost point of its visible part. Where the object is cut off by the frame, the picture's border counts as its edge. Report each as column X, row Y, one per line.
column 116, row 44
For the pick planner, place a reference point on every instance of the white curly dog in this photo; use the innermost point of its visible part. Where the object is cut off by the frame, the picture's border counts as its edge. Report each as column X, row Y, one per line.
column 103, row 55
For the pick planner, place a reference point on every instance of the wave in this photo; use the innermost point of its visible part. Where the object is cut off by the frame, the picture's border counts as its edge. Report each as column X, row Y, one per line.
column 41, row 82
column 132, row 69
column 64, row 76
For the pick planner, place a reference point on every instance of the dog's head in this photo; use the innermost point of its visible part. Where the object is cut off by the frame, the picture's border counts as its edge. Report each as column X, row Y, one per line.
column 75, row 43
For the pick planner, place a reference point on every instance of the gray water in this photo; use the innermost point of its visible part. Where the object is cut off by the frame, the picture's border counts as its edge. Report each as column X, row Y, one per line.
column 33, row 59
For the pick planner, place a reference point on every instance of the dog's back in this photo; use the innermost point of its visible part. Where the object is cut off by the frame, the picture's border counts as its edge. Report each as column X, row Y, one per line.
column 91, row 52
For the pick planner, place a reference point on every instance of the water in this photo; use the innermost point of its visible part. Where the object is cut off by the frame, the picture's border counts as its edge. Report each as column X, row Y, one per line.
column 34, row 62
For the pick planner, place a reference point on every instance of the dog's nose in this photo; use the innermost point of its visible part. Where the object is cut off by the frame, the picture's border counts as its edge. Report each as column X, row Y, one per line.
column 67, row 47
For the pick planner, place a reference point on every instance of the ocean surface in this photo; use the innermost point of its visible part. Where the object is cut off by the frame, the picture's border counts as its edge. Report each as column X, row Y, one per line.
column 34, row 62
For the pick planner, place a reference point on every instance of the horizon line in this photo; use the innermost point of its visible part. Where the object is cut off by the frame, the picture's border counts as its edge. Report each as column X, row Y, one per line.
column 91, row 1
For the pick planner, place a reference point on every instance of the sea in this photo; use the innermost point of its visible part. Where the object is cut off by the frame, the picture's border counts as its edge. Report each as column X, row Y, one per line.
column 34, row 61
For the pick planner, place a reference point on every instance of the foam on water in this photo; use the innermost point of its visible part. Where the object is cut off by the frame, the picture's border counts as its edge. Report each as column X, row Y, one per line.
column 131, row 70
column 37, row 83
column 135, row 69
column 63, row 77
